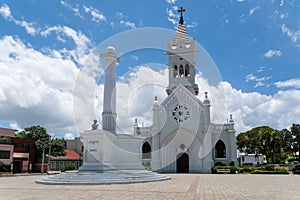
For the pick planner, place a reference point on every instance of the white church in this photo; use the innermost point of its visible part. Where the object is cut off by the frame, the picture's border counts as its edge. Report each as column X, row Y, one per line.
column 182, row 137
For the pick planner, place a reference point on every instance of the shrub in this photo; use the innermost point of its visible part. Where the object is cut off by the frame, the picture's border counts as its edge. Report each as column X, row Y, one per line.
column 268, row 168
column 246, row 169
column 148, row 167
column 5, row 168
column 231, row 163
column 270, row 172
column 68, row 166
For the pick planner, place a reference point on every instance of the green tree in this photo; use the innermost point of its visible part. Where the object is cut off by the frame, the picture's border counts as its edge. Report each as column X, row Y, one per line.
column 252, row 140
column 57, row 147
column 295, row 130
column 288, row 141
column 266, row 141
column 273, row 143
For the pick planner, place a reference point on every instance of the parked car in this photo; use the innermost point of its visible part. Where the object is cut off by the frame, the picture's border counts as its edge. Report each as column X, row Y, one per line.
column 296, row 169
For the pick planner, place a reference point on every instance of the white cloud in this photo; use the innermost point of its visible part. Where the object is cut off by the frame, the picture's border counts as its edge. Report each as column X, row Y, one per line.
column 250, row 77
column 29, row 26
column 128, row 24
column 294, row 83
column 120, row 15
column 81, row 41
column 69, row 136
column 37, row 88
column 261, row 69
column 253, row 10
column 74, row 9
column 292, row 34
column 272, row 53
column 260, row 81
column 97, row 16
column 5, row 12
column 193, row 25
column 254, row 109
column 15, row 126
column 171, row 16
column 171, row 1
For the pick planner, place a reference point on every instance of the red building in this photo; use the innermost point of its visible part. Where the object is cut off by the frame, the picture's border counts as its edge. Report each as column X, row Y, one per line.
column 6, row 147
column 71, row 157
column 24, row 155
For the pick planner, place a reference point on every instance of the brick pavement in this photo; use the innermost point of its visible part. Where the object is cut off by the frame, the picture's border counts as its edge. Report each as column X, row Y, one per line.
column 181, row 186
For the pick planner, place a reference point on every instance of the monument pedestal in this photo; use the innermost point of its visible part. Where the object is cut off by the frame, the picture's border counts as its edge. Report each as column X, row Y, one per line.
column 108, row 159
column 106, row 151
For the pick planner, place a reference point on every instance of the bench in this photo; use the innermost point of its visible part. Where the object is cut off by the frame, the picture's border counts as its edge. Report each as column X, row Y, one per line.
column 223, row 171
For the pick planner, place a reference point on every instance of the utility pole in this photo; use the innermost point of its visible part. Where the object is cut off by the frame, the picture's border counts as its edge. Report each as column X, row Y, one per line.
column 49, row 153
column 43, row 158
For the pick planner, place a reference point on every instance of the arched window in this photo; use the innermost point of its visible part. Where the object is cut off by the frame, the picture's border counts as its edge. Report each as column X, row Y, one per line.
column 175, row 71
column 187, row 70
column 181, row 71
column 220, row 149
column 146, row 149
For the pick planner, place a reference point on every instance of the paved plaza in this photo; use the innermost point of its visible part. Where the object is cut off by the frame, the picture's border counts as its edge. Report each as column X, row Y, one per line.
column 181, row 186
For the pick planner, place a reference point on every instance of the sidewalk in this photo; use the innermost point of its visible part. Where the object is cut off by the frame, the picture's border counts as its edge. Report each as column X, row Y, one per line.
column 181, row 186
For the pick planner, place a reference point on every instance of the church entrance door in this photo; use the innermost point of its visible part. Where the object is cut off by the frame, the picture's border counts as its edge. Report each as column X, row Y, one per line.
column 182, row 163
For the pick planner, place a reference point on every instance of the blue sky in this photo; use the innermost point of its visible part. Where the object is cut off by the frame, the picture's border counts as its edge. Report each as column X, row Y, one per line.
column 255, row 44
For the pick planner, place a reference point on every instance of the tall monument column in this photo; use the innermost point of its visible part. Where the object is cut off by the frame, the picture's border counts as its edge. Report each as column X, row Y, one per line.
column 109, row 100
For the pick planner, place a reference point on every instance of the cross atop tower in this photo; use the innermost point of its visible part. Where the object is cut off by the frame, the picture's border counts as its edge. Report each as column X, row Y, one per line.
column 181, row 10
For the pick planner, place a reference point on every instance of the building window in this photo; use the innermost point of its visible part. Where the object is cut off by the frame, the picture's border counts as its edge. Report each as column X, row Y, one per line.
column 6, row 140
column 53, row 165
column 175, row 71
column 61, row 165
column 220, row 149
column 146, row 151
column 187, row 70
column 4, row 154
column 181, row 71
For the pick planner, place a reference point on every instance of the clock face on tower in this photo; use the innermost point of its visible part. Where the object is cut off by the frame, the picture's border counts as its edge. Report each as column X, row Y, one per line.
column 180, row 113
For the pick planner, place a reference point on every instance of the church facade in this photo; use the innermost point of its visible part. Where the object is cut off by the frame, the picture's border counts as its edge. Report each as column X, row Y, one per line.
column 182, row 137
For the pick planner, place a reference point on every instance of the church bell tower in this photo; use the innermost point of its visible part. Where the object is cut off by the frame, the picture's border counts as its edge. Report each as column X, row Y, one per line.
column 181, row 54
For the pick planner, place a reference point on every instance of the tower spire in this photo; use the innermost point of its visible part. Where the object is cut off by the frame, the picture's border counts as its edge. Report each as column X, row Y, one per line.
column 181, row 10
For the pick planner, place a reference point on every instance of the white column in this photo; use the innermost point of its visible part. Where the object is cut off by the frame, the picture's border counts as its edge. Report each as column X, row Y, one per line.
column 109, row 101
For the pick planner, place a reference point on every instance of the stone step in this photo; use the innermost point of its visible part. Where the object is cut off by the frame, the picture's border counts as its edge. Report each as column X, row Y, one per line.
column 107, row 177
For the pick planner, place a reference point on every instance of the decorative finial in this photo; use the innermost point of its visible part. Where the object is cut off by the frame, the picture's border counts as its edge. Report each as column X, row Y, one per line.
column 206, row 94
column 135, row 121
column 230, row 117
column 181, row 10
column 155, row 98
